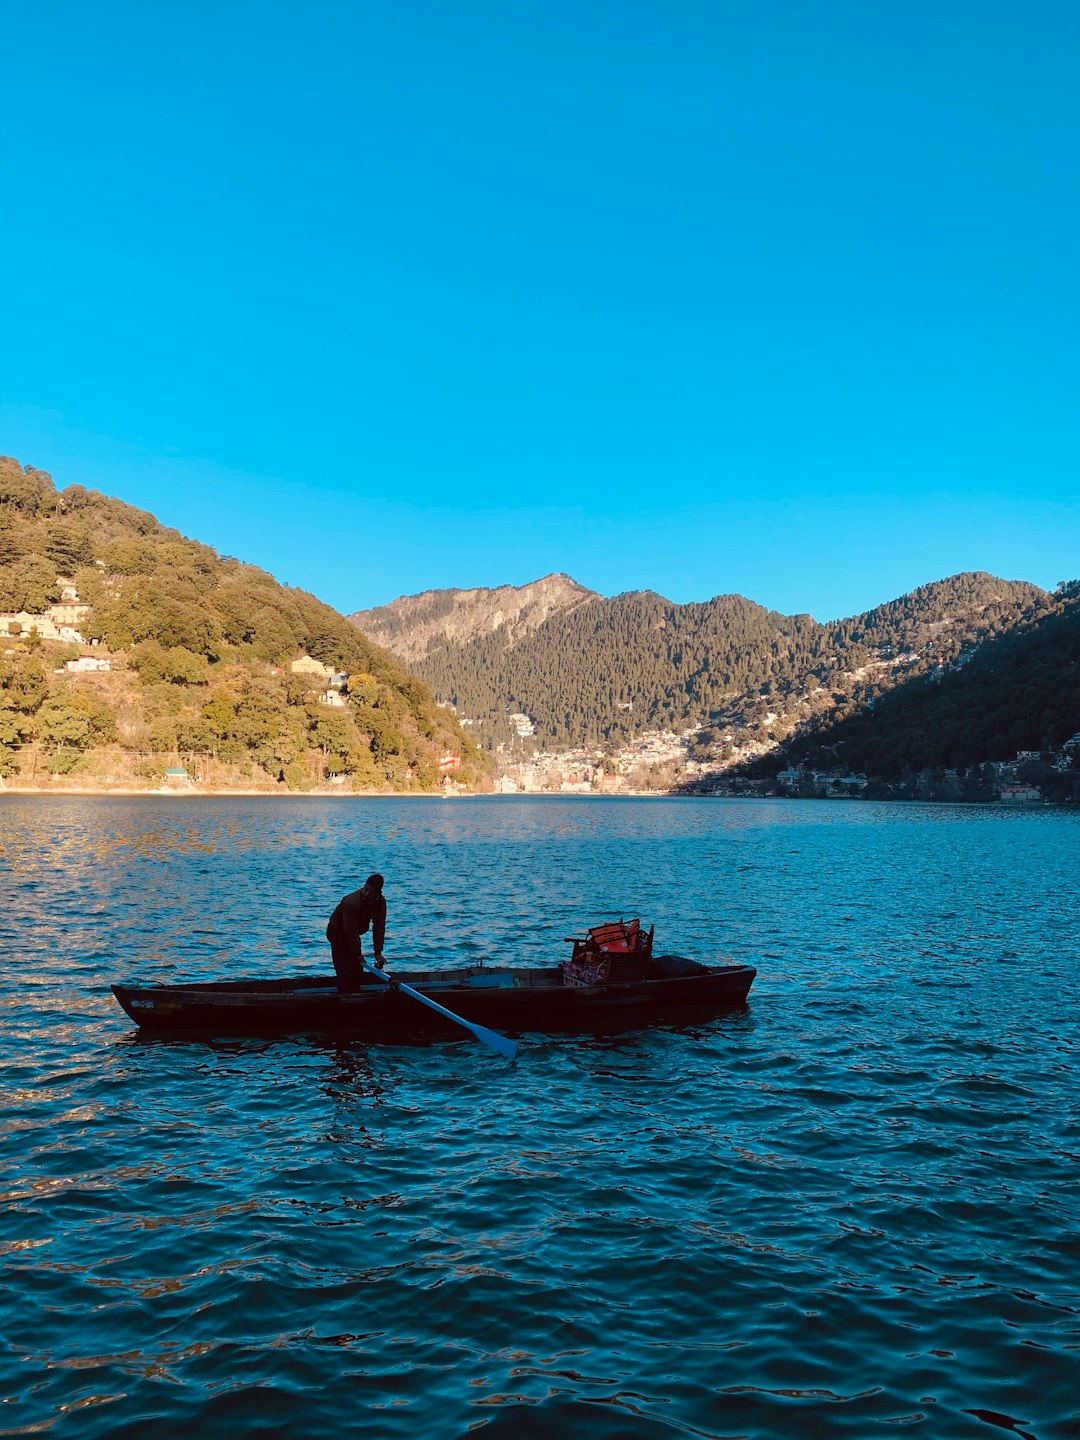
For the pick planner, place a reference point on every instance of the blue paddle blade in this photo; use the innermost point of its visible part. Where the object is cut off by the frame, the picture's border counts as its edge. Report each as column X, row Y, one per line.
column 499, row 1043
column 496, row 1041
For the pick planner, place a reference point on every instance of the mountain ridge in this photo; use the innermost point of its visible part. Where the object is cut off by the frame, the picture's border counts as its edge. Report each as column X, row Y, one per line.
column 416, row 622
column 602, row 671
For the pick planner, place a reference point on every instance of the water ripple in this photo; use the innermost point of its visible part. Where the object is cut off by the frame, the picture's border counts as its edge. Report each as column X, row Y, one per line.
column 848, row 1209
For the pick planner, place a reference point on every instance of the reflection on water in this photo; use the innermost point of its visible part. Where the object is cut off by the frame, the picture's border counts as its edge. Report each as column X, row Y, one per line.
column 846, row 1208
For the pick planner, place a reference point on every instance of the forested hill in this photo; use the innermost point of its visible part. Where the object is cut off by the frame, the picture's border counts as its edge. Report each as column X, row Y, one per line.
column 1018, row 692
column 606, row 670
column 184, row 659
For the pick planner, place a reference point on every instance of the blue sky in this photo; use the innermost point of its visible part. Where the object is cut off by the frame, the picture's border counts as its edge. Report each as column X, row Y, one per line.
column 779, row 299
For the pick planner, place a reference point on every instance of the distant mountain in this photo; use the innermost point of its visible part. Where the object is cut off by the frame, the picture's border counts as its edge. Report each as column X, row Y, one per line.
column 597, row 672
column 414, row 625
column 184, row 659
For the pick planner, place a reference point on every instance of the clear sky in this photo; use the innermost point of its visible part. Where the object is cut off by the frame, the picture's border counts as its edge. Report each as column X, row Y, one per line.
column 774, row 298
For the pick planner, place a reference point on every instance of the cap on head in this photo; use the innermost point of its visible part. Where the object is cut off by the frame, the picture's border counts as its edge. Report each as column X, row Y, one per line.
column 374, row 882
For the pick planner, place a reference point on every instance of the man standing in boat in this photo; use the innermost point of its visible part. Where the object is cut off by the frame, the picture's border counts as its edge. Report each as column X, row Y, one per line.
column 353, row 916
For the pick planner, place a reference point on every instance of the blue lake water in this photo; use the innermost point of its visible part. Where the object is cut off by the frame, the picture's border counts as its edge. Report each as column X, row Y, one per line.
column 849, row 1208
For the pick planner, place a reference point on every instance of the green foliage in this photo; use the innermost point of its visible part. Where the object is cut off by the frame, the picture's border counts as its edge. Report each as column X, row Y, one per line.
column 177, row 665
column 208, row 640
column 90, row 584
column 25, row 489
column 23, row 683
column 23, row 687
column 74, row 718
column 270, row 634
column 187, row 668
column 297, row 776
column 150, row 660
column 129, row 555
column 11, row 545
column 68, row 546
column 28, row 584
column 363, row 690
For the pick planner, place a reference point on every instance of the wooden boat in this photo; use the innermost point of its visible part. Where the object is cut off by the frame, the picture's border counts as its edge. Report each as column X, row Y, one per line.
column 510, row 998
column 606, row 984
column 612, row 979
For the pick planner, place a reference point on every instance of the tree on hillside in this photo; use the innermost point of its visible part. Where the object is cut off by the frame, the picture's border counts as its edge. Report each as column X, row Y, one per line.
column 28, row 584
column 24, row 488
column 129, row 555
column 68, row 546
column 71, row 721
column 23, row 687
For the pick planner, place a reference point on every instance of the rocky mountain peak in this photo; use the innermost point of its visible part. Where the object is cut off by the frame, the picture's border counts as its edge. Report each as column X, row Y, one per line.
column 412, row 624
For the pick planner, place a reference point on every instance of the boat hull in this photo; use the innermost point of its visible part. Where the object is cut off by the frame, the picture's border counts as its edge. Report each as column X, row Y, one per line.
column 512, row 999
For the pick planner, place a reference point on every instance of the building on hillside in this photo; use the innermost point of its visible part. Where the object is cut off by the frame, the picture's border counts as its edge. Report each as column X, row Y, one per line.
column 22, row 623
column 449, row 762
column 1020, row 794
column 333, row 697
column 307, row 665
column 611, row 782
column 68, row 614
column 859, row 783
column 88, row 665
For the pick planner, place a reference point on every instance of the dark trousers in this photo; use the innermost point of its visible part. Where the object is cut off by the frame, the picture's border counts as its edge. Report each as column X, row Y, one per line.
column 348, row 966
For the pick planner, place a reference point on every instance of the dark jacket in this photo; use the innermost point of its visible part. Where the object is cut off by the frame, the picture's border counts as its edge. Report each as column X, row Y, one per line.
column 352, row 917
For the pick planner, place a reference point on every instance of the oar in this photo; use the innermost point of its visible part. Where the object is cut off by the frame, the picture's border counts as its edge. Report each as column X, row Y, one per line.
column 488, row 1037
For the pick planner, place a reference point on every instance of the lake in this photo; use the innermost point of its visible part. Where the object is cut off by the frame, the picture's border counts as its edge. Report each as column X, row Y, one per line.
column 849, row 1208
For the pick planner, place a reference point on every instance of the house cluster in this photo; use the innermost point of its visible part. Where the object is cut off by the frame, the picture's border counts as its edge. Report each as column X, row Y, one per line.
column 588, row 770
column 1012, row 789
column 570, row 771
column 800, row 782
column 335, row 681
column 832, row 784
column 1008, row 781
column 61, row 621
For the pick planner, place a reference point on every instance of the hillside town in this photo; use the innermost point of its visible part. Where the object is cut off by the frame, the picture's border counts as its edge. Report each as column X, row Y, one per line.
column 662, row 762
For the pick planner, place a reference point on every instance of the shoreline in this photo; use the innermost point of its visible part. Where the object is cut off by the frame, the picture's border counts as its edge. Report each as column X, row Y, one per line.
column 228, row 793
column 129, row 793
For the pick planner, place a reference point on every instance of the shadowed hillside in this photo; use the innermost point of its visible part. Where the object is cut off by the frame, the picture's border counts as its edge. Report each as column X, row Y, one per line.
column 1017, row 692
